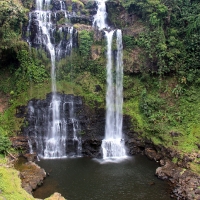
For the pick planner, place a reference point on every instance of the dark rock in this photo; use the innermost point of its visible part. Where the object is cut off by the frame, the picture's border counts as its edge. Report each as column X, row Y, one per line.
column 98, row 88
column 185, row 182
column 175, row 134
column 56, row 5
column 162, row 162
column 166, row 171
column 81, row 19
column 20, row 143
column 91, row 148
column 152, row 154
column 132, row 141
column 20, row 111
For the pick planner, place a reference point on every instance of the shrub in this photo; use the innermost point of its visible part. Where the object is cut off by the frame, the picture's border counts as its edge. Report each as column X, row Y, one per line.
column 4, row 143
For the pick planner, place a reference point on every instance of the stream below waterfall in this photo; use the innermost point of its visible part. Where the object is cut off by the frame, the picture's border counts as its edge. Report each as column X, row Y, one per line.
column 89, row 179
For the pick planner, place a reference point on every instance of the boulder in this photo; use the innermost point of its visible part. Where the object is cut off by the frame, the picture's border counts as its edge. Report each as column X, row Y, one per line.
column 32, row 176
column 56, row 196
column 152, row 154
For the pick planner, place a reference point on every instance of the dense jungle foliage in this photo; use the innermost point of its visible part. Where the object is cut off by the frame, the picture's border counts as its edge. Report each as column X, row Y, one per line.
column 161, row 85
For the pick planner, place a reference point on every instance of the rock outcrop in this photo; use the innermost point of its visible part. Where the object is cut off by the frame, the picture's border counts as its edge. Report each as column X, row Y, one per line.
column 32, row 176
column 185, row 183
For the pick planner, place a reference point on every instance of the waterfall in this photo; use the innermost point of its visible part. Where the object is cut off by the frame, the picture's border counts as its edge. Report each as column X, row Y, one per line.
column 100, row 17
column 58, row 137
column 52, row 138
column 113, row 143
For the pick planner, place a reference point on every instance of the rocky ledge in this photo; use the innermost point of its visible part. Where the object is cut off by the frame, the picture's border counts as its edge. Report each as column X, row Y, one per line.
column 185, row 183
column 31, row 175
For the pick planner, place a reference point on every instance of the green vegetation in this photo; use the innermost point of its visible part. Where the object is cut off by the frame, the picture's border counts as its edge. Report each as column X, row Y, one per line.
column 4, row 143
column 10, row 185
column 29, row 71
column 78, row 2
column 158, row 112
column 85, row 43
column 12, row 16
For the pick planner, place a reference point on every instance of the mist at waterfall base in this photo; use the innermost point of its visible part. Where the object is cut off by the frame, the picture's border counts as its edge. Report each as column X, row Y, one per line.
column 86, row 179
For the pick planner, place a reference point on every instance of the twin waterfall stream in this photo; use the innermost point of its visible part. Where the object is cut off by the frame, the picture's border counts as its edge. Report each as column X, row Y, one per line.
column 51, row 139
column 113, row 144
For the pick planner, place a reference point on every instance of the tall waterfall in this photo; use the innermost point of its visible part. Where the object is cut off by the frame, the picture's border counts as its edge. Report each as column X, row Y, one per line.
column 113, row 143
column 51, row 141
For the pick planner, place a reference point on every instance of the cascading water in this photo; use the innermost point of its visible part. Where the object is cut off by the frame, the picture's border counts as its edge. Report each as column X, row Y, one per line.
column 40, row 120
column 113, row 144
column 51, row 141
column 100, row 17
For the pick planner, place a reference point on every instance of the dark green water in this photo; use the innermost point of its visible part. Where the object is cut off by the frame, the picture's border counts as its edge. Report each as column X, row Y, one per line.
column 87, row 179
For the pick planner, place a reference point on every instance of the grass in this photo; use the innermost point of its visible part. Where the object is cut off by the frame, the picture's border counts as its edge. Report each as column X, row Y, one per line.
column 195, row 167
column 156, row 111
column 10, row 185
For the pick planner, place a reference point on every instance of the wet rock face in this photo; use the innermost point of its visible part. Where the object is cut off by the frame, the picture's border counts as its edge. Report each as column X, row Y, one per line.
column 56, row 5
column 61, row 35
column 58, row 19
column 91, row 122
column 82, row 19
column 152, row 154
column 92, row 148
column 89, row 125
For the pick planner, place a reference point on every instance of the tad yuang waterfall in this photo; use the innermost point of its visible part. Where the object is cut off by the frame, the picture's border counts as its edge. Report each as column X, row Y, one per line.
column 54, row 129
column 113, row 143
column 51, row 120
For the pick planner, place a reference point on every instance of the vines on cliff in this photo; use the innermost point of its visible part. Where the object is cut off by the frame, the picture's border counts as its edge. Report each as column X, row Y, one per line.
column 171, row 39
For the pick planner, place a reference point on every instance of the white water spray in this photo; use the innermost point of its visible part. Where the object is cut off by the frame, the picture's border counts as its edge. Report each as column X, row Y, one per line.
column 113, row 143
column 100, row 17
